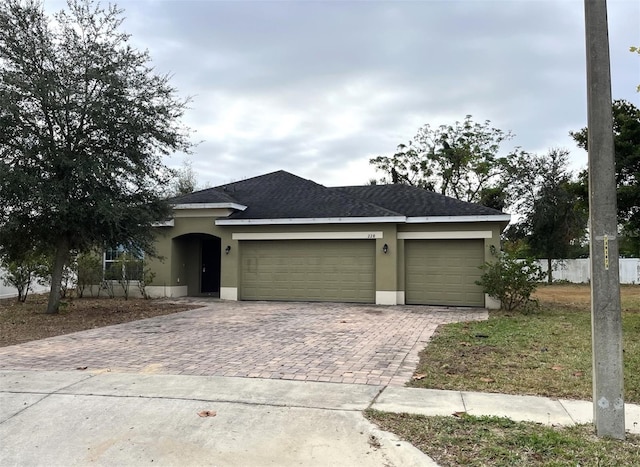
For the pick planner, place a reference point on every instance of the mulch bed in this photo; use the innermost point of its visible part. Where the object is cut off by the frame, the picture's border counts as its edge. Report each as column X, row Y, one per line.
column 24, row 322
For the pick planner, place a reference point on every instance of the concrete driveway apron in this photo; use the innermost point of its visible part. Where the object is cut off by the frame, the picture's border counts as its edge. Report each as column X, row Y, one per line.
column 331, row 342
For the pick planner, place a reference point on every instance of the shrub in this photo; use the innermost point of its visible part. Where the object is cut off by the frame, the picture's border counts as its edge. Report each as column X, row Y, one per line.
column 20, row 277
column 147, row 278
column 89, row 273
column 129, row 268
column 20, row 274
column 511, row 280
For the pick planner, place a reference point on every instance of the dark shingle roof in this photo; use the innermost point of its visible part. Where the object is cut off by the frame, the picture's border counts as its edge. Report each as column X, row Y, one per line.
column 416, row 202
column 281, row 195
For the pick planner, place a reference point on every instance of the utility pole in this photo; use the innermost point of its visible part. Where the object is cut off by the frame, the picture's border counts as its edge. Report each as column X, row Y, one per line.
column 606, row 315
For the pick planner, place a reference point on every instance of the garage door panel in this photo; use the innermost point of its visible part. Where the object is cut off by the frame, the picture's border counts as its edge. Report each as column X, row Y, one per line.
column 315, row 270
column 443, row 272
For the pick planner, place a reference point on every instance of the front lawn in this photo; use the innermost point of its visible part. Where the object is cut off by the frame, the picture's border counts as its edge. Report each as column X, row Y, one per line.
column 547, row 353
column 482, row 441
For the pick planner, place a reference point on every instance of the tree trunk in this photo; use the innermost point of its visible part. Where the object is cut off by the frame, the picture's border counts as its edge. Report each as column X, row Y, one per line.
column 61, row 256
column 549, row 271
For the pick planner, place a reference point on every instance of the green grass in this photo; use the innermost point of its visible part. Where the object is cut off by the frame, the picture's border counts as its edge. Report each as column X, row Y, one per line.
column 547, row 353
column 493, row 441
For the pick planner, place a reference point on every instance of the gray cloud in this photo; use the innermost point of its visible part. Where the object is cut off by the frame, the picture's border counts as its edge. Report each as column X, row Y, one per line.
column 317, row 88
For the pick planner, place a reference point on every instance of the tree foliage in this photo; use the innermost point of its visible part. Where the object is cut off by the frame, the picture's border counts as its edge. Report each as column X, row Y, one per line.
column 84, row 123
column 184, row 180
column 553, row 218
column 461, row 160
column 626, row 129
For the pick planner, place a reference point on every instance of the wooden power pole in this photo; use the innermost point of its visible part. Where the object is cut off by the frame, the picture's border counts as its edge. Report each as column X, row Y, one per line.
column 606, row 315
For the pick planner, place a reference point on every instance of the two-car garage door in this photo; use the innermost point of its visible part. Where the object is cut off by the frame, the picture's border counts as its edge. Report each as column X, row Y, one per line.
column 308, row 270
column 437, row 272
column 443, row 272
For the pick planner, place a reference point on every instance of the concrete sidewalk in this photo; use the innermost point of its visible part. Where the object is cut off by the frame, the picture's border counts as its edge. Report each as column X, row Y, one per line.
column 519, row 408
column 80, row 418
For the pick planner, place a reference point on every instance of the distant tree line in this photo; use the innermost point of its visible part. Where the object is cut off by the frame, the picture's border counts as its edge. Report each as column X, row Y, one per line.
column 467, row 161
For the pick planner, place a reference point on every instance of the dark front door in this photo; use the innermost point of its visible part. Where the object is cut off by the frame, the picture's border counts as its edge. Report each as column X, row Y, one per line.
column 210, row 271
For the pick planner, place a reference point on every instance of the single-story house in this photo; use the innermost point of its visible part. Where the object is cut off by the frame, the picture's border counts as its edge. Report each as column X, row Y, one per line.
column 282, row 237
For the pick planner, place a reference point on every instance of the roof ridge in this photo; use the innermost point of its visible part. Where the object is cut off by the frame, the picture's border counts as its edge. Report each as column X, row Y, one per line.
column 392, row 194
column 257, row 176
column 362, row 200
column 293, row 190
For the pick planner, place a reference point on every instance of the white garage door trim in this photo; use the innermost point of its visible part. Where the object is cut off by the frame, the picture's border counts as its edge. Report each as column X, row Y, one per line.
column 366, row 235
column 449, row 235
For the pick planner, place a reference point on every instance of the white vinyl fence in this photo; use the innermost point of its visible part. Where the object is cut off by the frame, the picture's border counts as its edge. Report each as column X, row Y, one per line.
column 9, row 292
column 579, row 270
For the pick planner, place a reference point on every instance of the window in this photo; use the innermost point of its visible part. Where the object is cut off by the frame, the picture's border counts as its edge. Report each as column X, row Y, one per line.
column 120, row 263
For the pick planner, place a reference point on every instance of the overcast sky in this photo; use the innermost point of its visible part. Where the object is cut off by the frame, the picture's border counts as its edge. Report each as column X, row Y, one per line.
column 318, row 88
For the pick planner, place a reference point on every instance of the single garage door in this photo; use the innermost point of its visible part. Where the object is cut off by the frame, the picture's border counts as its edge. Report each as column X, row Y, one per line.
column 308, row 270
column 443, row 272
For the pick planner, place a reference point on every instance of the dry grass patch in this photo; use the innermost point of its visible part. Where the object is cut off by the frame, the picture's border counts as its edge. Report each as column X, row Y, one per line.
column 578, row 296
column 483, row 441
column 23, row 322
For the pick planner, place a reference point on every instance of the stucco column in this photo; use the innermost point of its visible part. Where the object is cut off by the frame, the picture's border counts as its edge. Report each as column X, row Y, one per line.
column 229, row 267
column 387, row 266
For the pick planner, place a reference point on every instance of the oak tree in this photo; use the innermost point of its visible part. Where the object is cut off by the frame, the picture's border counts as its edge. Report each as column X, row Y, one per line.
column 84, row 124
column 547, row 200
column 462, row 160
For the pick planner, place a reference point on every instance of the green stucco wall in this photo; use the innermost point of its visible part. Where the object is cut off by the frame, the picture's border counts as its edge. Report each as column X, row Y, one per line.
column 181, row 254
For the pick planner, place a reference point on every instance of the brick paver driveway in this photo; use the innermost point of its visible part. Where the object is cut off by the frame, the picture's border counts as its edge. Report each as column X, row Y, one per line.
column 301, row 341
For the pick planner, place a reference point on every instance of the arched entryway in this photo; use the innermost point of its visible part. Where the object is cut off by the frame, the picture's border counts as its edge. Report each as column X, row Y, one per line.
column 198, row 263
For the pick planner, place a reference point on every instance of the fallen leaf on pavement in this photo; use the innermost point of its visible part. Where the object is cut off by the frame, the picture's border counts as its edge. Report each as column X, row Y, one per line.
column 82, row 368
column 207, row 413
